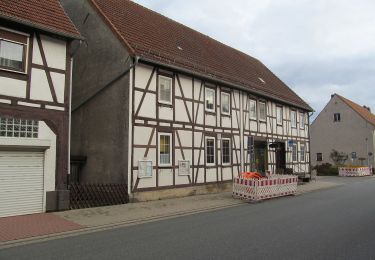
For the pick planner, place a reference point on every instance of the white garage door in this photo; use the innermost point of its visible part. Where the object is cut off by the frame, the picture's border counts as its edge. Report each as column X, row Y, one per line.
column 21, row 182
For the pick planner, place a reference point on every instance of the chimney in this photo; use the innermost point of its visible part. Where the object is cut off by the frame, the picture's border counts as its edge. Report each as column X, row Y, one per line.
column 368, row 108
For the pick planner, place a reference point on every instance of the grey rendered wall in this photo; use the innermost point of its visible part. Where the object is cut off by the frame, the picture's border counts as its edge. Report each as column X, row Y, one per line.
column 100, row 126
column 346, row 136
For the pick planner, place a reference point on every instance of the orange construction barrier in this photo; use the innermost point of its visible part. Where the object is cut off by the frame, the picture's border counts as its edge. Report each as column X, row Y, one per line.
column 251, row 175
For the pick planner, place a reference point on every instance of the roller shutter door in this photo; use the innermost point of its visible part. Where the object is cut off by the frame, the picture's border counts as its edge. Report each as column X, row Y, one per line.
column 21, row 182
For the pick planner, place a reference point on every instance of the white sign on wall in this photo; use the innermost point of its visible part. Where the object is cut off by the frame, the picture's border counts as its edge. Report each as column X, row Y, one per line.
column 144, row 169
column 183, row 167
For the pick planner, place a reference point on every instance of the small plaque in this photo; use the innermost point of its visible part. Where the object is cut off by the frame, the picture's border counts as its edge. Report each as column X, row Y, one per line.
column 183, row 167
column 144, row 169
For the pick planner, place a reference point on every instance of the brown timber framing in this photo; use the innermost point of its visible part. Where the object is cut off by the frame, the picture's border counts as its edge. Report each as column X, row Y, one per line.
column 195, row 127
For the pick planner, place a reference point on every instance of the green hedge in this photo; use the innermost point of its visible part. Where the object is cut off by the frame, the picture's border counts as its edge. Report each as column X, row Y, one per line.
column 326, row 169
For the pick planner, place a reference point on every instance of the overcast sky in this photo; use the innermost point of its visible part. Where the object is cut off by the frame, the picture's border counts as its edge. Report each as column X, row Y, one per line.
column 318, row 47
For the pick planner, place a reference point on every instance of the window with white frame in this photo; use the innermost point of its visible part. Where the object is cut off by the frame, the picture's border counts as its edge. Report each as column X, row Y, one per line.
column 225, row 103
column 293, row 118
column 294, row 152
column 301, row 120
column 226, row 151
column 279, row 115
column 210, row 99
column 210, row 150
column 15, row 127
column 165, row 149
column 302, row 152
column 13, row 47
column 262, row 111
column 253, row 109
column 165, row 90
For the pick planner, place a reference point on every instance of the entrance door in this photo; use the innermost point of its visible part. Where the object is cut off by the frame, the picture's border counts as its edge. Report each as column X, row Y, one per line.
column 280, row 158
column 260, row 156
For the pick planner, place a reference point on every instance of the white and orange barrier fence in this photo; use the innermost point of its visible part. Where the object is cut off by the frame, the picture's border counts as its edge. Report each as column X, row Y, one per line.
column 355, row 171
column 264, row 188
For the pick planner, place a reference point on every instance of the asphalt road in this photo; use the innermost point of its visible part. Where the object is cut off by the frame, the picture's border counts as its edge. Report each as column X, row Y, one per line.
column 338, row 223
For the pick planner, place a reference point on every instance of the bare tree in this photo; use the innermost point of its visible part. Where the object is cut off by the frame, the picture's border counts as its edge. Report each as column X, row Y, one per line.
column 338, row 158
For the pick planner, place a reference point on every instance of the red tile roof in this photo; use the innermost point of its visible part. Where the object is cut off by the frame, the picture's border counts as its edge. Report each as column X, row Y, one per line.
column 157, row 38
column 46, row 15
column 363, row 112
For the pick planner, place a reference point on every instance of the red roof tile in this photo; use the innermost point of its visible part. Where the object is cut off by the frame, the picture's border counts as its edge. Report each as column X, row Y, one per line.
column 157, row 38
column 46, row 15
column 363, row 112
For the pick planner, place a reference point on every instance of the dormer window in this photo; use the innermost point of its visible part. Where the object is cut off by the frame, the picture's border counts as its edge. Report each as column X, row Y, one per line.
column 12, row 51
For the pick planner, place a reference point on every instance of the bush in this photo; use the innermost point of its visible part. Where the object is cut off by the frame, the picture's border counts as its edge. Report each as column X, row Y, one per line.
column 326, row 169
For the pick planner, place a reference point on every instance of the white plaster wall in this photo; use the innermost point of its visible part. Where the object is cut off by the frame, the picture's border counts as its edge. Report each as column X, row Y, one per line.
column 36, row 57
column 12, row 87
column 58, row 81
column 142, row 76
column 39, row 89
column 55, row 52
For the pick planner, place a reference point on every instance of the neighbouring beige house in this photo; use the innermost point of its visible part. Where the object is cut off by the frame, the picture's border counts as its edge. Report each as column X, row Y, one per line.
column 346, row 127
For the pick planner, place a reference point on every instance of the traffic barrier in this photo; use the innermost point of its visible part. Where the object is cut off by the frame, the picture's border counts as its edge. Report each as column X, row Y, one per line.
column 355, row 171
column 268, row 187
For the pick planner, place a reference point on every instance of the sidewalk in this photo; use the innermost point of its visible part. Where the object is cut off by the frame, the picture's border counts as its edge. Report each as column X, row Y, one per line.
column 53, row 225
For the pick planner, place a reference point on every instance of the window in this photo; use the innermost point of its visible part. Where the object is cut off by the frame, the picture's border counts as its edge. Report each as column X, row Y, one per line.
column 210, row 99
column 165, row 149
column 210, row 150
column 293, row 118
column 225, row 103
column 302, row 152
column 226, row 151
column 319, row 157
column 294, row 152
column 262, row 111
column 14, row 127
column 13, row 51
column 165, row 90
column 253, row 109
column 336, row 117
column 279, row 115
column 302, row 120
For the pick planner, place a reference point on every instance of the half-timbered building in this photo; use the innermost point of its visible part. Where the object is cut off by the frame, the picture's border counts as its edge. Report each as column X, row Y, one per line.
column 35, row 73
column 161, row 106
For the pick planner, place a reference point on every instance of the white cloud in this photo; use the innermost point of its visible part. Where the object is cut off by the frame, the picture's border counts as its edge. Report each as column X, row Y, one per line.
column 317, row 47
